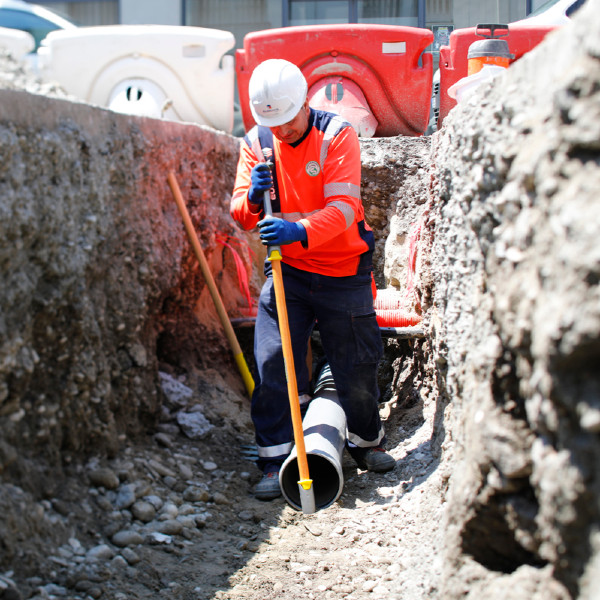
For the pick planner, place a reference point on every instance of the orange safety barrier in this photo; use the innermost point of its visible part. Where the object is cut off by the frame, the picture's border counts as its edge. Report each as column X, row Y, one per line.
column 385, row 64
column 453, row 66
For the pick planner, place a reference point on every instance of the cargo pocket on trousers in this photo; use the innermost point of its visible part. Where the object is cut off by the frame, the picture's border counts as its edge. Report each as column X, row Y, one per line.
column 367, row 338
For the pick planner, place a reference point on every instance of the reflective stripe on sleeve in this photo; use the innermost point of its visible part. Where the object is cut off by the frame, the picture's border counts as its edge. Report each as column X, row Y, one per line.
column 295, row 216
column 238, row 194
column 341, row 189
column 346, row 210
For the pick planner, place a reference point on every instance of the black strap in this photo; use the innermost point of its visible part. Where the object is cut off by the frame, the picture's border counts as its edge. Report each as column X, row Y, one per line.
column 265, row 138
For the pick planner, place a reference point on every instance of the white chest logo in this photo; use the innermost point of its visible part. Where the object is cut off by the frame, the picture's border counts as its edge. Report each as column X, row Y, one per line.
column 312, row 168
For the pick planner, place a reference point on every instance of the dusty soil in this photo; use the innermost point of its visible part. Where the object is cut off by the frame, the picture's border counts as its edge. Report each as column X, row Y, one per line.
column 376, row 541
column 369, row 544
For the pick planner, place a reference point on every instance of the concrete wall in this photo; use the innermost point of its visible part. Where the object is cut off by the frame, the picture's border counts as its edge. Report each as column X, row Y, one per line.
column 150, row 12
column 467, row 13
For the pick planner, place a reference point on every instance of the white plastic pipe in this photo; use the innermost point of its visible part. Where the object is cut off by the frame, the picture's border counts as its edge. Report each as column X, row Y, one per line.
column 324, row 438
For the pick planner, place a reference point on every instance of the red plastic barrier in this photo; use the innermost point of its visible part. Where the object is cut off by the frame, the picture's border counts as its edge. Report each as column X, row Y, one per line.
column 453, row 58
column 382, row 60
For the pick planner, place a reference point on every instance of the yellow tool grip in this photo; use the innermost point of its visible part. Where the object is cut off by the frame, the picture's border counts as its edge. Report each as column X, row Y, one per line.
column 275, row 254
column 305, row 483
column 244, row 372
column 288, row 358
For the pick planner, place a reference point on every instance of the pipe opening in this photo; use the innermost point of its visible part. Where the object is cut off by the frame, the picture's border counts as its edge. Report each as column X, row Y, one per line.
column 326, row 481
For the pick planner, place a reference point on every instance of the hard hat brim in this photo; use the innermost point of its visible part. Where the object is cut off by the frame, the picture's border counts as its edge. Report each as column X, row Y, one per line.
column 276, row 120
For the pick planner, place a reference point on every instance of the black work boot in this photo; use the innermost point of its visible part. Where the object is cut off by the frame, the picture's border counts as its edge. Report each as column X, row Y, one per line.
column 268, row 487
column 374, row 459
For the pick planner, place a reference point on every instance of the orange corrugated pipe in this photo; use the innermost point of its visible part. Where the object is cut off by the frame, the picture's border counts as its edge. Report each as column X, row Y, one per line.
column 397, row 318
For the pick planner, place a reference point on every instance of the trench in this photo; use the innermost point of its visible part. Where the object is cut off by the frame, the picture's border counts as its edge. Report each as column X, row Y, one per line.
column 111, row 349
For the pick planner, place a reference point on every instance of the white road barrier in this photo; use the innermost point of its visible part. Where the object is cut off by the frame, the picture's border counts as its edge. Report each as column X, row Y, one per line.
column 170, row 72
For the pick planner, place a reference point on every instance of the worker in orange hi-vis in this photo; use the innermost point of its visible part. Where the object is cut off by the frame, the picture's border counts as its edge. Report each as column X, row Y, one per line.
column 326, row 250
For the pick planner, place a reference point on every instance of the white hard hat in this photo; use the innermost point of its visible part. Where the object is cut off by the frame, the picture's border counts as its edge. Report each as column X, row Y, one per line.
column 277, row 92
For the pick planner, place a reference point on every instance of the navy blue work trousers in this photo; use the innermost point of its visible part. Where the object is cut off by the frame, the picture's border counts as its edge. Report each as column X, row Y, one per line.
column 343, row 307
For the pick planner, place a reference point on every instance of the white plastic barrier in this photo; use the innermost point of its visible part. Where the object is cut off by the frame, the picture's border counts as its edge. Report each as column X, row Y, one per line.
column 17, row 43
column 177, row 73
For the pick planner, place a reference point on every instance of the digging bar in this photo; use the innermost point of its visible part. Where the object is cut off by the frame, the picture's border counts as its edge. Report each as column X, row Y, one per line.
column 307, row 493
column 212, row 287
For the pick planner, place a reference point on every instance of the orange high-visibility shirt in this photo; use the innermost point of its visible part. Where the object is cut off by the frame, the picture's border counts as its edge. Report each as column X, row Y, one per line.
column 318, row 184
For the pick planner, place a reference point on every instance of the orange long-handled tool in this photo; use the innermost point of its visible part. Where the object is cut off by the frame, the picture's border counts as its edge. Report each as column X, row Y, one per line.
column 307, row 493
column 212, row 287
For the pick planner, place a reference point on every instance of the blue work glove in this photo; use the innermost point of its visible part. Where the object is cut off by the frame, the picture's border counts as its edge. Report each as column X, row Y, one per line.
column 278, row 232
column 261, row 181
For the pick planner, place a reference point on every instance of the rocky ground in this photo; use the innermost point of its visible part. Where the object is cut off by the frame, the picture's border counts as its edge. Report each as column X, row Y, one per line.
column 16, row 75
column 173, row 516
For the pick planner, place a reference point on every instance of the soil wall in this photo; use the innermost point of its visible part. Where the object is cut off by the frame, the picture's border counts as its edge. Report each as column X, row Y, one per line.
column 99, row 283
column 514, row 323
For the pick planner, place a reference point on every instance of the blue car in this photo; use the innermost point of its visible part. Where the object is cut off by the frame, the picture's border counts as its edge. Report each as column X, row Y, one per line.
column 35, row 20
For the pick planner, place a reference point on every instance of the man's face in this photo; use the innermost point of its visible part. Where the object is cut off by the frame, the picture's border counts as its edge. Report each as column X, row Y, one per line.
column 293, row 130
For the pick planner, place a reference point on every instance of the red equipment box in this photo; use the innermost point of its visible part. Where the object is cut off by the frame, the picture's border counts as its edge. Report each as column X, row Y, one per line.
column 453, row 58
column 383, row 66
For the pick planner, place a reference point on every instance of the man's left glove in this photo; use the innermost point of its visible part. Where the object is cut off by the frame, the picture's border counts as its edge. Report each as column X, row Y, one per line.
column 260, row 182
column 279, row 232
